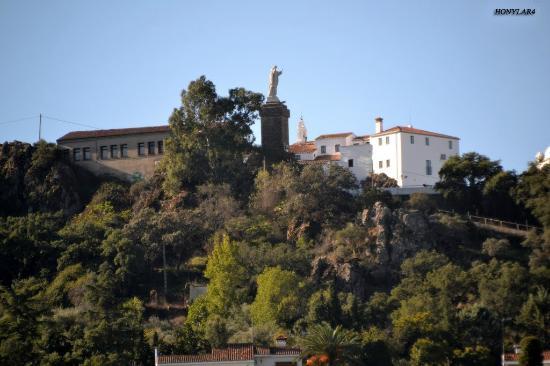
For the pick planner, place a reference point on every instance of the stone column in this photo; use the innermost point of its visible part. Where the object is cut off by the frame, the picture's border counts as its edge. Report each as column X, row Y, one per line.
column 274, row 116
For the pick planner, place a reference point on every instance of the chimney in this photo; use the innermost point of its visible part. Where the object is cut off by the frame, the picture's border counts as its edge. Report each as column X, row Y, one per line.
column 379, row 124
column 280, row 341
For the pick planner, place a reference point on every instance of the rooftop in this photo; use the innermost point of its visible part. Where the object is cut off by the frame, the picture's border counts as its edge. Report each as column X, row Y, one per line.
column 333, row 135
column 75, row 135
column 302, row 147
column 417, row 131
column 515, row 356
column 233, row 352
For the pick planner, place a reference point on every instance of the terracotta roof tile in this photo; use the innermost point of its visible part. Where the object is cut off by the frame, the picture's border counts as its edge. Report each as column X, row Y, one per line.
column 413, row 130
column 515, row 356
column 112, row 132
column 334, row 157
column 233, row 352
column 302, row 147
column 332, row 135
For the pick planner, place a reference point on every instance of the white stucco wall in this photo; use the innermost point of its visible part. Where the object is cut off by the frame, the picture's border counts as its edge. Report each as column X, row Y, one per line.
column 362, row 159
column 414, row 158
column 331, row 142
column 272, row 360
column 384, row 152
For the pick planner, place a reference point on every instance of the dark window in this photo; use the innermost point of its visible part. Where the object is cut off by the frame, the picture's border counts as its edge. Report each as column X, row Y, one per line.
column 114, row 151
column 337, row 147
column 387, row 140
column 428, row 167
column 76, row 154
column 87, row 155
column 450, row 144
column 103, row 153
column 380, row 164
column 141, row 148
column 388, row 163
column 412, row 139
column 350, row 163
column 323, row 149
column 124, row 151
column 297, row 156
column 427, row 141
column 151, row 148
column 160, row 147
column 380, row 141
column 443, row 157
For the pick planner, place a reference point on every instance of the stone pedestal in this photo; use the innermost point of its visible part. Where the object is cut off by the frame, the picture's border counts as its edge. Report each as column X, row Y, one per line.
column 274, row 116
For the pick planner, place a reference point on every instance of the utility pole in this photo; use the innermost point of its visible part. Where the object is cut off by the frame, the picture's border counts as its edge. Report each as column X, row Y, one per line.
column 165, row 275
column 40, row 127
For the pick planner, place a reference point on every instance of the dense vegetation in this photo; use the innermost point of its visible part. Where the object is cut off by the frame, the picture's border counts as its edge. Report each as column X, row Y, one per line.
column 97, row 274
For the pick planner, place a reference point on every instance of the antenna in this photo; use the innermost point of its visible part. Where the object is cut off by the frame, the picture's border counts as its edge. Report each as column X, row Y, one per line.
column 40, row 127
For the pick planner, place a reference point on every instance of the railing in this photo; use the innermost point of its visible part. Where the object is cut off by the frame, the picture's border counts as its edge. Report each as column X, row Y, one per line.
column 496, row 222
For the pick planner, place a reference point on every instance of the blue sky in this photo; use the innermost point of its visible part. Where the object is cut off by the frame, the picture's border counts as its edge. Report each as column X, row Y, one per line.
column 447, row 66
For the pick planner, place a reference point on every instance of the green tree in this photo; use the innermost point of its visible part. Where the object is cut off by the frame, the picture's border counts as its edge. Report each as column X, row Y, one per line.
column 534, row 316
column 426, row 352
column 531, row 352
column 210, row 137
column 462, row 179
column 278, row 297
column 226, row 275
column 339, row 345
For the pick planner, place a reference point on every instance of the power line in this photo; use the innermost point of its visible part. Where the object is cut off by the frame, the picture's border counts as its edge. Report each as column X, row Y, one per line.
column 71, row 122
column 18, row 120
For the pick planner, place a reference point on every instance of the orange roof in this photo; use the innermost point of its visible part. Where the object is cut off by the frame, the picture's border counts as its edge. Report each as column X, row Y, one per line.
column 302, row 147
column 413, row 130
column 515, row 356
column 233, row 352
column 364, row 137
column 332, row 135
column 113, row 132
column 334, row 157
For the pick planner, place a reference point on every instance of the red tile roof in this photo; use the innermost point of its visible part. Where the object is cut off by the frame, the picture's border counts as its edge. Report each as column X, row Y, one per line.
column 334, row 157
column 302, row 147
column 515, row 356
column 233, row 352
column 332, row 135
column 112, row 132
column 414, row 131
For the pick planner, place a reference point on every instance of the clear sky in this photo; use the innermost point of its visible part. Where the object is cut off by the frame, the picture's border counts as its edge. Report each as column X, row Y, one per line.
column 447, row 66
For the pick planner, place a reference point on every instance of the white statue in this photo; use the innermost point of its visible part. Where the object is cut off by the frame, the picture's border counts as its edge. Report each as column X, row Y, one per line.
column 273, row 82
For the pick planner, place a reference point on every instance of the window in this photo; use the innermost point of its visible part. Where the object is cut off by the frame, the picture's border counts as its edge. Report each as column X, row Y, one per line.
column 443, row 157
column 141, row 148
column 350, row 163
column 151, row 148
column 387, row 140
column 380, row 141
column 388, row 163
column 123, row 151
column 337, row 147
column 76, row 154
column 87, row 155
column 114, row 151
column 297, row 156
column 160, row 147
column 427, row 141
column 380, row 164
column 103, row 153
column 323, row 149
column 428, row 167
column 450, row 144
column 412, row 139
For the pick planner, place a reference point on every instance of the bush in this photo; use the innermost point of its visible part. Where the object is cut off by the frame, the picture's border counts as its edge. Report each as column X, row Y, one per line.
column 495, row 247
column 421, row 202
column 531, row 352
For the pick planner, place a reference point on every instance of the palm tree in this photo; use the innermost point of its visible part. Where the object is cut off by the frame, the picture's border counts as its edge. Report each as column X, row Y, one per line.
column 340, row 346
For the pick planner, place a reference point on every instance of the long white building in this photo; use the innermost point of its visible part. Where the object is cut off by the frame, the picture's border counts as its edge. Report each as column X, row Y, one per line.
column 411, row 156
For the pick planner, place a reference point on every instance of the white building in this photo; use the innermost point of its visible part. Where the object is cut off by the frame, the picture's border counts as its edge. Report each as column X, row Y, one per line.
column 411, row 156
column 237, row 355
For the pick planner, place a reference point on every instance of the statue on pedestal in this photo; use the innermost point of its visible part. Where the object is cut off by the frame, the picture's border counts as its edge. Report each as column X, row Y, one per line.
column 273, row 82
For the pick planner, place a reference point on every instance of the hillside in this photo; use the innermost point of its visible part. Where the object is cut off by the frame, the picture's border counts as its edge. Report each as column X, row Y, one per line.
column 85, row 263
